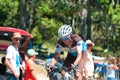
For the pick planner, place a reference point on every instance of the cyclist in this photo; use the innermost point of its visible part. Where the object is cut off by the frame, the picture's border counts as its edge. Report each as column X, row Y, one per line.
column 75, row 46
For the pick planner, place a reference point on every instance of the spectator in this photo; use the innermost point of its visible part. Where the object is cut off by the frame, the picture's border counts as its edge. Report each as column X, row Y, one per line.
column 111, row 67
column 2, row 69
column 118, row 62
column 30, row 65
column 88, row 65
column 12, row 60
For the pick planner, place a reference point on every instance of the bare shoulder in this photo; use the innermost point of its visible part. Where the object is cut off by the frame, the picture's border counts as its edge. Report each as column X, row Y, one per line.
column 30, row 62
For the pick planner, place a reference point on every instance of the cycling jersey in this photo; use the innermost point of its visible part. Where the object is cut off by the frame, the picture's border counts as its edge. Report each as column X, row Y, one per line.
column 73, row 43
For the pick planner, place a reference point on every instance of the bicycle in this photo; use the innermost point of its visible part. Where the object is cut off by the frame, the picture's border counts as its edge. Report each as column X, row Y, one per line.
column 70, row 74
column 55, row 73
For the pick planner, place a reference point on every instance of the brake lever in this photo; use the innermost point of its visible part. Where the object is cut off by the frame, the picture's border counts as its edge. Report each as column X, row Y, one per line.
column 74, row 71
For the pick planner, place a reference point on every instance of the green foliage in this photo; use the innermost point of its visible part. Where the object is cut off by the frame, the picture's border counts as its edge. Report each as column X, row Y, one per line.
column 106, row 21
column 44, row 8
column 36, row 35
column 49, row 28
column 8, row 10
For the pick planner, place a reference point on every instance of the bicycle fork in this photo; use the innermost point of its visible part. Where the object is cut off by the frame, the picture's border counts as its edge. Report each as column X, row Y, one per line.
column 68, row 76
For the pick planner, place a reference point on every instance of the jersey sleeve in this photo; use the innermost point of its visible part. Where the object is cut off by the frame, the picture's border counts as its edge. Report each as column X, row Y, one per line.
column 58, row 48
column 9, row 52
column 81, row 45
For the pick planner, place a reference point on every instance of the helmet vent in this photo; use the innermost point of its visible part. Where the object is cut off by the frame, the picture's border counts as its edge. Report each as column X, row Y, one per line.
column 65, row 30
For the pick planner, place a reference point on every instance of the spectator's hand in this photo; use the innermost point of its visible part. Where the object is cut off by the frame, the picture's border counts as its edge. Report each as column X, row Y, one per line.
column 86, row 77
column 28, row 38
column 22, row 68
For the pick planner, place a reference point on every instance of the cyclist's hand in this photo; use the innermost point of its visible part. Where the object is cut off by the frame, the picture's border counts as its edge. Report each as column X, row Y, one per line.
column 48, row 68
column 74, row 66
column 63, row 73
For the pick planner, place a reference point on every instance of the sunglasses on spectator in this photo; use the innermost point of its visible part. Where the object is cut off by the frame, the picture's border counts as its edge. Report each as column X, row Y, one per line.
column 17, row 39
column 89, row 44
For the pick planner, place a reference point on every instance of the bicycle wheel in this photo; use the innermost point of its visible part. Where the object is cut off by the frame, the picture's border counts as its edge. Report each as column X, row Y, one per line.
column 55, row 75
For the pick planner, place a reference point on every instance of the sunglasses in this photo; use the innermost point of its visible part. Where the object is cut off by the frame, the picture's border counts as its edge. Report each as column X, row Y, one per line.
column 64, row 38
column 17, row 39
column 89, row 44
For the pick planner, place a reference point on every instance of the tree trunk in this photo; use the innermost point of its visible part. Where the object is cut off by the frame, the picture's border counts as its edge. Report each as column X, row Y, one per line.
column 89, row 20
column 22, row 13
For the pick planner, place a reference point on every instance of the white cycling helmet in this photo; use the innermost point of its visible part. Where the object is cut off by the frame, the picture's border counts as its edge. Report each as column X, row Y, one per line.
column 64, row 30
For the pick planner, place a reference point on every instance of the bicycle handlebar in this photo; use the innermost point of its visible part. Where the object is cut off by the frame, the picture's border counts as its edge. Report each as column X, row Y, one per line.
column 59, row 67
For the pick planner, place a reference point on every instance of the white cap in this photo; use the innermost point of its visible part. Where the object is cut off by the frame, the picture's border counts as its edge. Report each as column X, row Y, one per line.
column 31, row 52
column 89, row 42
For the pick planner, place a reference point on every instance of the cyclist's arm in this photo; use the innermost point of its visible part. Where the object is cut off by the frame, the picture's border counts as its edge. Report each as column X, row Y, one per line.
column 54, row 59
column 57, row 53
column 79, row 52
